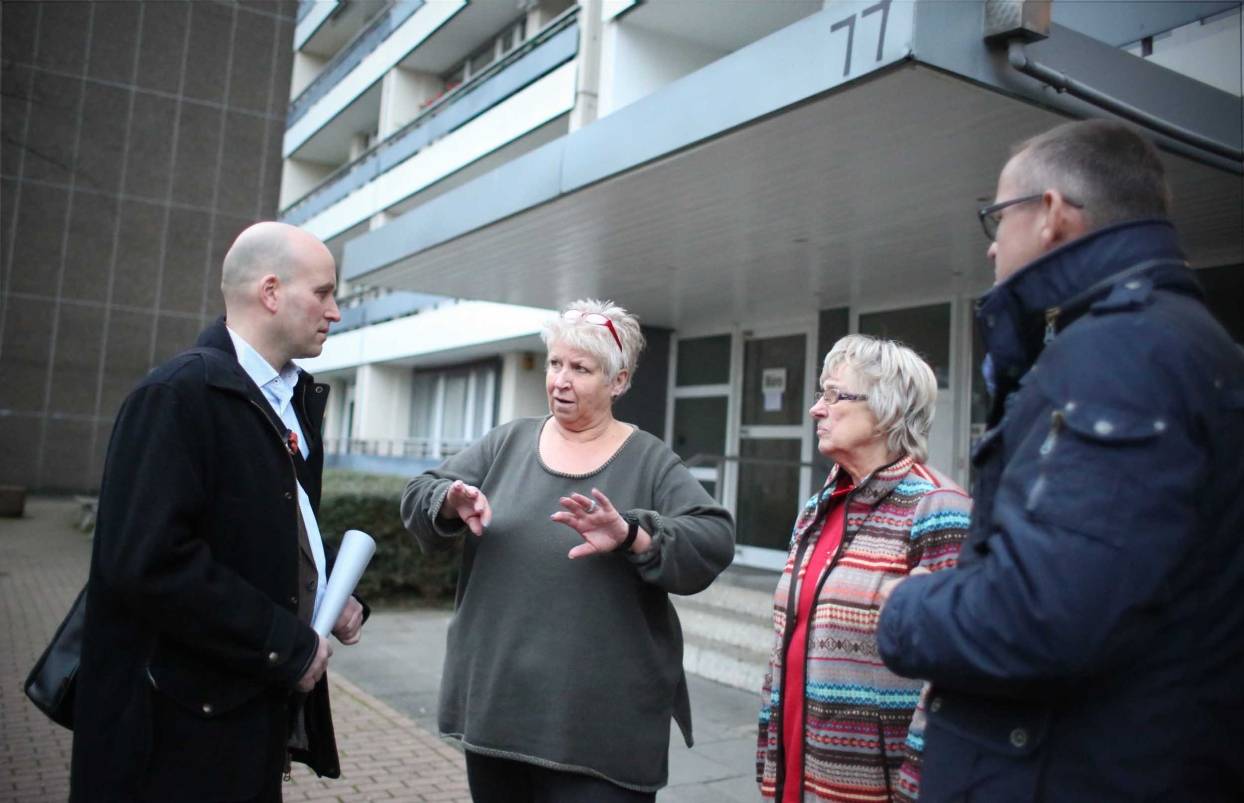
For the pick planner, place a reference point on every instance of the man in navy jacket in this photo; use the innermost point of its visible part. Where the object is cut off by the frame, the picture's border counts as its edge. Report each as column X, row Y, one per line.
column 200, row 675
column 1090, row 644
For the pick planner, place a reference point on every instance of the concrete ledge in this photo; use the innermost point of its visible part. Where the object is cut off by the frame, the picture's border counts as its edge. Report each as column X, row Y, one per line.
column 12, row 501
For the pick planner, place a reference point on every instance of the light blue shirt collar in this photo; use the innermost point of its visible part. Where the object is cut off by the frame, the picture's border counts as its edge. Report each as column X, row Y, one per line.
column 277, row 386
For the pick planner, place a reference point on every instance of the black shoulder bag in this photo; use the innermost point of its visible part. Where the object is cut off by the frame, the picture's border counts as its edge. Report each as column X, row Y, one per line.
column 51, row 684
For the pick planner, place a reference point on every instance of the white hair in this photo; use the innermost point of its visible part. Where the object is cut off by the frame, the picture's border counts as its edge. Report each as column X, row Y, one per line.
column 596, row 339
column 901, row 389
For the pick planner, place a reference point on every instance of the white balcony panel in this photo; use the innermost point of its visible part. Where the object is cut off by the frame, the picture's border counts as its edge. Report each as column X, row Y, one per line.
column 551, row 96
column 612, row 8
column 421, row 24
column 308, row 25
column 453, row 328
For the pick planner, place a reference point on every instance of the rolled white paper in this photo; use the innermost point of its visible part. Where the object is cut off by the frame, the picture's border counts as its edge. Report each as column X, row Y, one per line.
column 357, row 547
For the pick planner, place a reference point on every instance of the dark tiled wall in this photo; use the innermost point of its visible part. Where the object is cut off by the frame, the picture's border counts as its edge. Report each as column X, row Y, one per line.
column 138, row 138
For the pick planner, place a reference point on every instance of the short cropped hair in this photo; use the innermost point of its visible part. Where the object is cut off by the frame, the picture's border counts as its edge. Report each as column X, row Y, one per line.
column 901, row 389
column 1105, row 165
column 597, row 340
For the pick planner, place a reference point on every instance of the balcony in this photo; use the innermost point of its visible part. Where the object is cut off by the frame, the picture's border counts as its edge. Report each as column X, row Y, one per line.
column 554, row 46
column 304, row 8
column 358, row 65
column 350, row 57
column 384, row 308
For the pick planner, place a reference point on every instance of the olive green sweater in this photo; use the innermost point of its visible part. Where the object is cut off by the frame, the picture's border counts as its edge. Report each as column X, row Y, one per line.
column 570, row 664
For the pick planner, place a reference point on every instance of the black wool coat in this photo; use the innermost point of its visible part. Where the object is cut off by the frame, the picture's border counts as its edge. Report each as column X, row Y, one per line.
column 193, row 645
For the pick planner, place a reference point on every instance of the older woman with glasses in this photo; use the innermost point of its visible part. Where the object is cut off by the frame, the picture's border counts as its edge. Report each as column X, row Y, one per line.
column 835, row 724
column 564, row 662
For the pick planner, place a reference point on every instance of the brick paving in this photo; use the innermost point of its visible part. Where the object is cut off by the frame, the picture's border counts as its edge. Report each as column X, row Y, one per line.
column 43, row 563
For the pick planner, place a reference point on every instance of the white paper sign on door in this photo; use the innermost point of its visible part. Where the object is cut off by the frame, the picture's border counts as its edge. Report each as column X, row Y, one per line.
column 773, row 385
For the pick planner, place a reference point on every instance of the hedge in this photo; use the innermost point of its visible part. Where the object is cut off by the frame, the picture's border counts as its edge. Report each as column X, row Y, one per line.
column 399, row 570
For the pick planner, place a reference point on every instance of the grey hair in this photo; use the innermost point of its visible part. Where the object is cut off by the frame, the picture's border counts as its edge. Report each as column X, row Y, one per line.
column 597, row 340
column 1105, row 165
column 901, row 389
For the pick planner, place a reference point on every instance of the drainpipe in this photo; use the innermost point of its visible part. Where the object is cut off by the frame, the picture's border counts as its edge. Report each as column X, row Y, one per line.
column 1064, row 83
column 1018, row 22
column 587, row 87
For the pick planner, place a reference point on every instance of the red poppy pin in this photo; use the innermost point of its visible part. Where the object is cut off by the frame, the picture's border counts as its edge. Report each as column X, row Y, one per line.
column 291, row 440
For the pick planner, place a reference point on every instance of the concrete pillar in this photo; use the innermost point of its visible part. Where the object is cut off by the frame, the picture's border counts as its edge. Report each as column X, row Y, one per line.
column 359, row 143
column 305, row 69
column 522, row 386
column 540, row 12
column 299, row 177
column 382, row 404
column 335, row 414
column 402, row 94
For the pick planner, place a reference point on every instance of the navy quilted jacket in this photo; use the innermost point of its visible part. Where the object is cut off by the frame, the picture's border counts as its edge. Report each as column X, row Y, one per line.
column 1090, row 644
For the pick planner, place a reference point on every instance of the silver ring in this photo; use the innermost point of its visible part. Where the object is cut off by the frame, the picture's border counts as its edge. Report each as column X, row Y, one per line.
column 592, row 507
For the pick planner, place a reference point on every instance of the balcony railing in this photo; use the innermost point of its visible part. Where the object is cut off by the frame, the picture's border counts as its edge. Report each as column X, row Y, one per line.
column 304, row 8
column 363, row 44
column 398, row 448
column 384, row 308
column 547, row 50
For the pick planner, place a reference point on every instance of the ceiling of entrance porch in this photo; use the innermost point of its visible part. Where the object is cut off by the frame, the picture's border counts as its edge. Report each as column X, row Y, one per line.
column 866, row 196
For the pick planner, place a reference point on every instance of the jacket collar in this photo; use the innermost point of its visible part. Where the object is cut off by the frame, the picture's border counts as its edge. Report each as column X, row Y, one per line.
column 1013, row 315
column 228, row 373
column 869, row 493
column 876, row 486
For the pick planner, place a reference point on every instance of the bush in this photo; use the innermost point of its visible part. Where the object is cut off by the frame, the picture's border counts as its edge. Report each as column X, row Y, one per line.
column 399, row 569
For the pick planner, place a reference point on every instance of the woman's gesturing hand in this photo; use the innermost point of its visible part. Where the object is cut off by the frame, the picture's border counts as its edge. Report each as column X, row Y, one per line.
column 468, row 503
column 596, row 520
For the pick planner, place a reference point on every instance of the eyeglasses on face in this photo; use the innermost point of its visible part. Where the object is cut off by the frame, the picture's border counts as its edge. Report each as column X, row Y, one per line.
column 834, row 395
column 573, row 315
column 991, row 219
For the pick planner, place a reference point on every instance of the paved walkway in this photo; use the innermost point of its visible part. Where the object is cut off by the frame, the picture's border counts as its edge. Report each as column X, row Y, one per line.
column 43, row 563
column 384, row 712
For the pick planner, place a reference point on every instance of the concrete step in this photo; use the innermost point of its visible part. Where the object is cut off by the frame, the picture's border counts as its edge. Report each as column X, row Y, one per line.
column 715, row 623
column 727, row 628
column 732, row 666
column 748, row 603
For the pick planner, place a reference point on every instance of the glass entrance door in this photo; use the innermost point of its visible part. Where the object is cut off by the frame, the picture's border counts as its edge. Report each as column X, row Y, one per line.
column 773, row 445
column 927, row 331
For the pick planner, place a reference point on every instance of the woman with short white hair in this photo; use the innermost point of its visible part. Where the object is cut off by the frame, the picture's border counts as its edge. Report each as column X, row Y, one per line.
column 835, row 723
column 561, row 676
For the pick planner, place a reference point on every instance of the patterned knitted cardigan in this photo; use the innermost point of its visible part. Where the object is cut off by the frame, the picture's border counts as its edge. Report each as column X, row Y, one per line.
column 857, row 713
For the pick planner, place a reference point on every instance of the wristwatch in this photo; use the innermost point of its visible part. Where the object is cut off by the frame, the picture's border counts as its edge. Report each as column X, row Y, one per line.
column 632, row 532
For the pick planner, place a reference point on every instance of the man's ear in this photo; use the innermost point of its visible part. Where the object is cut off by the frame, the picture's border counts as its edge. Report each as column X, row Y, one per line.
column 269, row 292
column 1062, row 221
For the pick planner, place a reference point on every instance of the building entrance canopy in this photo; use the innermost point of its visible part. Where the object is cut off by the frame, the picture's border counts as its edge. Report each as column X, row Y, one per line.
column 840, row 158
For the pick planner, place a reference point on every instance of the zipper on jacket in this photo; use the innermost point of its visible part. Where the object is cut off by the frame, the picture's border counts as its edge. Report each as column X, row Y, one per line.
column 807, row 638
column 1051, row 319
column 1056, row 426
column 1057, row 420
column 885, row 769
column 807, row 632
column 792, row 604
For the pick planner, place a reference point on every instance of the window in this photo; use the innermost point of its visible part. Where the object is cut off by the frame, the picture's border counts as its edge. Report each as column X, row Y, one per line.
column 450, row 408
column 701, row 405
column 491, row 51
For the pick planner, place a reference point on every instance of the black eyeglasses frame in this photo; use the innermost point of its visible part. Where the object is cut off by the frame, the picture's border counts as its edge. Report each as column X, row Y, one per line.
column 990, row 221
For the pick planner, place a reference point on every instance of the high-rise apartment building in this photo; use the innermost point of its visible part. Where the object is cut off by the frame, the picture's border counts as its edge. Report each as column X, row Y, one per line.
column 754, row 179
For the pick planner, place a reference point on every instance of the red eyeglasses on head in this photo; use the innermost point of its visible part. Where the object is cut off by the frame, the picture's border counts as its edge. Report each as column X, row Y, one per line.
column 573, row 315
